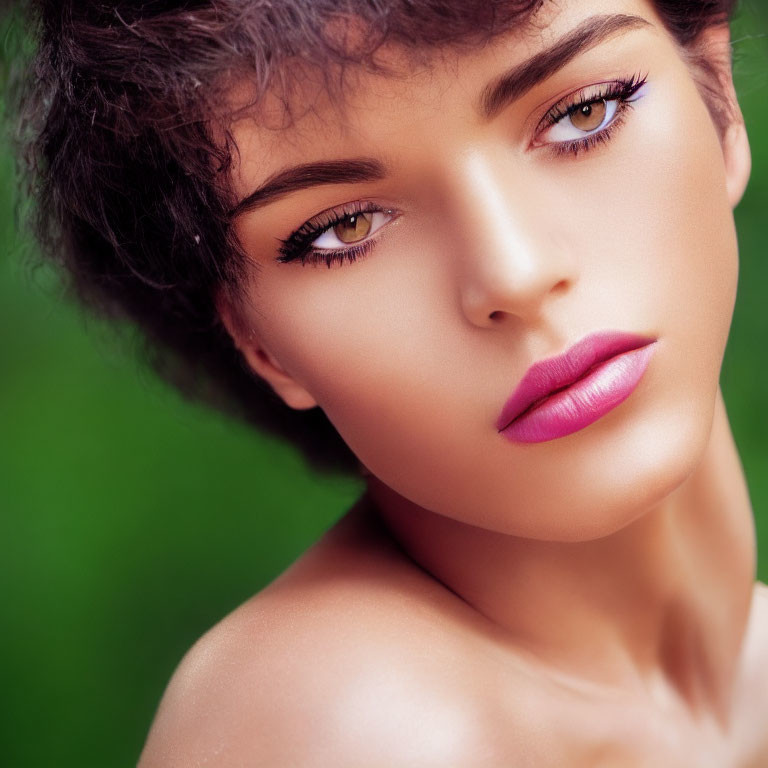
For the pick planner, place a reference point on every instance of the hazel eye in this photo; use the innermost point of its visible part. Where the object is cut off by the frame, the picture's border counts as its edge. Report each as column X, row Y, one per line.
column 582, row 120
column 354, row 228
column 589, row 117
column 351, row 229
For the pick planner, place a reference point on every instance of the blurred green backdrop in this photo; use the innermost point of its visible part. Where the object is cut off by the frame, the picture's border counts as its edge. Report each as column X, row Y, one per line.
column 131, row 521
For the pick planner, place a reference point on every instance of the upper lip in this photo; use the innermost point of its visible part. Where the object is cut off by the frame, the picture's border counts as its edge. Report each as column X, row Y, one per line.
column 555, row 373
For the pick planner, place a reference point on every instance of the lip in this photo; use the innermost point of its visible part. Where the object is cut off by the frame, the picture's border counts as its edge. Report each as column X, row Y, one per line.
column 566, row 393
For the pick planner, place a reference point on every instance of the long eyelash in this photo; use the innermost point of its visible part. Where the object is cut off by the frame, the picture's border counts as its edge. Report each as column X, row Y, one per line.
column 577, row 146
column 619, row 90
column 329, row 257
column 298, row 245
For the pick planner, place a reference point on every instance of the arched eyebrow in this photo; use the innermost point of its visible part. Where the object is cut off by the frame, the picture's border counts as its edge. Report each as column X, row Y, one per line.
column 353, row 171
column 498, row 94
column 516, row 82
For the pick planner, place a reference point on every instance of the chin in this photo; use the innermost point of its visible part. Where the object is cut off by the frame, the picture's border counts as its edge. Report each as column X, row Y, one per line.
column 651, row 458
column 593, row 483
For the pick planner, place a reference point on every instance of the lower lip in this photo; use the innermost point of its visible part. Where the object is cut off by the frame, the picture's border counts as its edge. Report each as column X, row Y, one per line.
column 585, row 401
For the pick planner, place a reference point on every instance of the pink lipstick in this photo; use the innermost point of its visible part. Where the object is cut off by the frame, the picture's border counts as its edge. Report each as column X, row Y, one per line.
column 563, row 394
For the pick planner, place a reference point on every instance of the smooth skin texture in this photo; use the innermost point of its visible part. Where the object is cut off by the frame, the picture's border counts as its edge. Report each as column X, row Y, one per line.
column 587, row 601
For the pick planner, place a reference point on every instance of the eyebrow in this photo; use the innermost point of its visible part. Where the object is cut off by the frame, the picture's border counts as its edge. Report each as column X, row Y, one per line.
column 516, row 82
column 498, row 94
column 306, row 175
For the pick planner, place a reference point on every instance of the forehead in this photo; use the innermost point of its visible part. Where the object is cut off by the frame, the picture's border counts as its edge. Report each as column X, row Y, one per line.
column 322, row 114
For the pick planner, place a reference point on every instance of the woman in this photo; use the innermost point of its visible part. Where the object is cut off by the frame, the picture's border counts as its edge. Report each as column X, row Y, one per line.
column 484, row 252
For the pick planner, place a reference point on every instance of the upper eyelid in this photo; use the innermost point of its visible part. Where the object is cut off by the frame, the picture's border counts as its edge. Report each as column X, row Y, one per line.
column 306, row 234
column 325, row 229
column 314, row 227
column 573, row 98
column 618, row 89
column 314, row 223
column 338, row 212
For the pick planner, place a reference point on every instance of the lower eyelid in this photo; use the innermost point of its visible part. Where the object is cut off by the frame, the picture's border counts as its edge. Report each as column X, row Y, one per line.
column 330, row 256
column 385, row 213
column 565, row 146
column 340, row 256
column 588, row 142
column 300, row 241
column 615, row 110
column 622, row 91
column 319, row 256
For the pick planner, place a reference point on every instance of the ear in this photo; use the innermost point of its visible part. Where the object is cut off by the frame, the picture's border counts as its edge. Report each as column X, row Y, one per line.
column 710, row 56
column 260, row 360
column 738, row 161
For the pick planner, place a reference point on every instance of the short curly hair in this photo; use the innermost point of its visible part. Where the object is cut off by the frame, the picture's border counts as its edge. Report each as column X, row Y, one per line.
column 130, row 185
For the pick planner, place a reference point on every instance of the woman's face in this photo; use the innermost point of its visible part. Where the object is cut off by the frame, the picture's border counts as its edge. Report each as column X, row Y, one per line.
column 487, row 242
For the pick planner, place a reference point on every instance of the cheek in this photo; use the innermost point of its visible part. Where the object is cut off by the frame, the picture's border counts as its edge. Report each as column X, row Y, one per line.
column 686, row 229
column 654, row 234
column 380, row 345
column 364, row 338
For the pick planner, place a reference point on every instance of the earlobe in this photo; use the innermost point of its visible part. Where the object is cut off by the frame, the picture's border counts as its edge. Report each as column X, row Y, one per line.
column 262, row 362
column 738, row 161
column 265, row 365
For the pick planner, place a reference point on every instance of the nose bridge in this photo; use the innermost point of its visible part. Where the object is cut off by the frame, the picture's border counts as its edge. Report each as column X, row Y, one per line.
column 508, row 262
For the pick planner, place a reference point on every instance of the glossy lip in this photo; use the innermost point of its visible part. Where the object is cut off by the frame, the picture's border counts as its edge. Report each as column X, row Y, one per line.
column 547, row 377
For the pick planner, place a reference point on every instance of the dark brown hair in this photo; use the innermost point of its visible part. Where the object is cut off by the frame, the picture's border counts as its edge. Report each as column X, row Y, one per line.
column 130, row 187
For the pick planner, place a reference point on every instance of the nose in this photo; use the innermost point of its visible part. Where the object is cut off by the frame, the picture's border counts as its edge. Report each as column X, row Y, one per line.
column 511, row 261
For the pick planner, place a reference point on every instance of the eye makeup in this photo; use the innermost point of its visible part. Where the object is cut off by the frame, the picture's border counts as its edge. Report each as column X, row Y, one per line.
column 621, row 93
column 612, row 100
column 299, row 245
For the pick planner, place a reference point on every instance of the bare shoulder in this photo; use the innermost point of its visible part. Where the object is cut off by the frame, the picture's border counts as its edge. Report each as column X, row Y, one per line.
column 349, row 658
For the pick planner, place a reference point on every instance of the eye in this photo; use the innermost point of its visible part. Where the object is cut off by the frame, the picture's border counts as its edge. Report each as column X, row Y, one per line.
column 583, row 120
column 351, row 229
column 589, row 116
column 337, row 235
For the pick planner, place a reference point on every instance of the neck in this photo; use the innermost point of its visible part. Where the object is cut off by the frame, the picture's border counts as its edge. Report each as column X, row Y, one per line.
column 660, row 606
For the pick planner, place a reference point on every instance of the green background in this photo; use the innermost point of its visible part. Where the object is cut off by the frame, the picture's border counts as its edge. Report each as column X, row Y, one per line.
column 131, row 521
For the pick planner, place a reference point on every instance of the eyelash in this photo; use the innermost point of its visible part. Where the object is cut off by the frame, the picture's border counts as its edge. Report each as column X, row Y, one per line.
column 298, row 245
column 621, row 91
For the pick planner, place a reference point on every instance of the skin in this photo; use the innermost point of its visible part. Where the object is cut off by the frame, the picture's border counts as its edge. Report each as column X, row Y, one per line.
column 587, row 601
